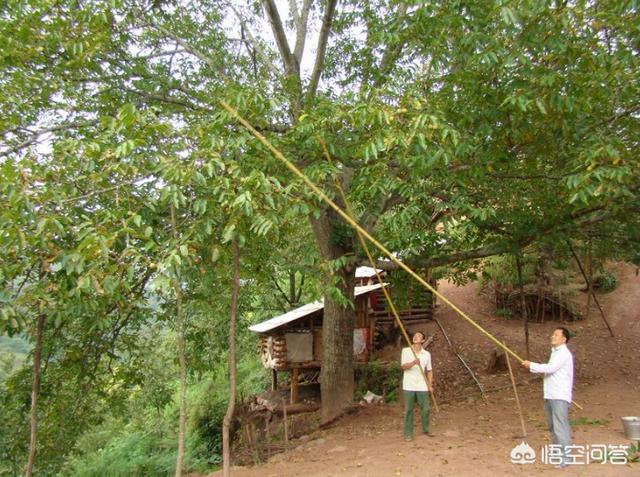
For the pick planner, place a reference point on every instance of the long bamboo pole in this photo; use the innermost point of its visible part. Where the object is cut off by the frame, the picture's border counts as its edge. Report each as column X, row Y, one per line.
column 515, row 392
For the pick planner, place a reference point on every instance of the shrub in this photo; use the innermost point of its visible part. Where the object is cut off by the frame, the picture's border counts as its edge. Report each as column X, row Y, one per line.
column 605, row 282
column 147, row 444
column 379, row 378
column 505, row 313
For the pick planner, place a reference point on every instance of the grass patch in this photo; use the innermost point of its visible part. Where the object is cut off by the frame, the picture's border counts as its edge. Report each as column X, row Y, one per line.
column 585, row 421
column 633, row 453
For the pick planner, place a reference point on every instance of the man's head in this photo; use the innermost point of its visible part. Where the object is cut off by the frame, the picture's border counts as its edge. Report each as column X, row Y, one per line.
column 418, row 337
column 560, row 336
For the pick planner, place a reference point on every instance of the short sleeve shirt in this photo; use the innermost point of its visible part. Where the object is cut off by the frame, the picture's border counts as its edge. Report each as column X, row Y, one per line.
column 412, row 379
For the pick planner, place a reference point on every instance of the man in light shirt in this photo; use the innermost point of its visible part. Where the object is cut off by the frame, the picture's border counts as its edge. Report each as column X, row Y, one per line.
column 557, row 386
column 414, row 385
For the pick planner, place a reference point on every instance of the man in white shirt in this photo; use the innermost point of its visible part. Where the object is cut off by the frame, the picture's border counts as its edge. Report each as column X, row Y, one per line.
column 557, row 386
column 414, row 384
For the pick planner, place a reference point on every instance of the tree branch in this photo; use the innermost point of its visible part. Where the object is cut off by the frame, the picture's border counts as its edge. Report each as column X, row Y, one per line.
column 571, row 221
column 34, row 138
column 291, row 66
column 392, row 52
column 613, row 118
column 168, row 100
column 299, row 294
column 159, row 54
column 293, row 8
column 301, row 28
column 284, row 295
column 189, row 48
column 102, row 191
column 256, row 46
column 24, row 281
column 528, row 177
column 323, row 39
column 370, row 217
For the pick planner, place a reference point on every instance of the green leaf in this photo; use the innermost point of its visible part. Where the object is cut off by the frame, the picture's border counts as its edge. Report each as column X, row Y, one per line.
column 228, row 233
column 508, row 16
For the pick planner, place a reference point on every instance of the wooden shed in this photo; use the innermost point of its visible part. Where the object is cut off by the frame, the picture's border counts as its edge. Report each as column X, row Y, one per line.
column 293, row 341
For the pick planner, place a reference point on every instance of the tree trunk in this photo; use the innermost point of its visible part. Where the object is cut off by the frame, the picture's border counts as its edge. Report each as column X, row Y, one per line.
column 181, row 358
column 589, row 280
column 35, row 389
column 226, row 422
column 334, row 241
column 292, row 289
column 540, row 267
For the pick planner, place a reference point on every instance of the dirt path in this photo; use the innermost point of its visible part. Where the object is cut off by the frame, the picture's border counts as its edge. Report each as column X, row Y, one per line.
column 474, row 437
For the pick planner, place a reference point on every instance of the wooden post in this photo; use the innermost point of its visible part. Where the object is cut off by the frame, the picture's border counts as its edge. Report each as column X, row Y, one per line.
column 294, row 385
column 284, row 421
column 267, row 431
column 372, row 334
column 274, row 380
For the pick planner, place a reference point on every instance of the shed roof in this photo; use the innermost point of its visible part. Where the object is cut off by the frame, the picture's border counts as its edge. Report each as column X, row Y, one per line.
column 303, row 311
column 366, row 272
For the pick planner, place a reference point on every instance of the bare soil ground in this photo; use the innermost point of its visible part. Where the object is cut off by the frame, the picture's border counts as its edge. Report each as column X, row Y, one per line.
column 473, row 436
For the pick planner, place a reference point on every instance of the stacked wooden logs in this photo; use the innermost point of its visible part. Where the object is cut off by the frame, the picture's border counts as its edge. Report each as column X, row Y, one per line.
column 273, row 352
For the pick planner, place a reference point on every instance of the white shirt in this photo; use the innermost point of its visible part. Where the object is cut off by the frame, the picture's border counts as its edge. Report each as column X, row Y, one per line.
column 413, row 379
column 558, row 374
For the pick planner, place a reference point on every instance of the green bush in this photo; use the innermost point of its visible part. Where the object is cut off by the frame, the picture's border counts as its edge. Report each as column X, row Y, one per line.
column 13, row 352
column 505, row 313
column 379, row 378
column 132, row 453
column 147, row 444
column 605, row 282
